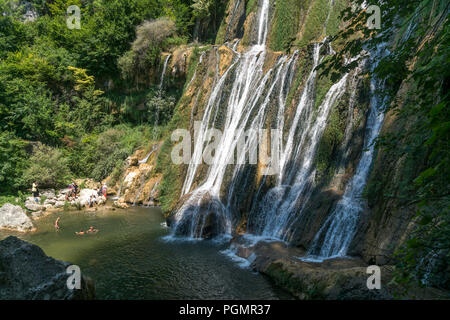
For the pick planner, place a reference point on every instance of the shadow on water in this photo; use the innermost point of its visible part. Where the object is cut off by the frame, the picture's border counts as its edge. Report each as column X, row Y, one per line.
column 128, row 259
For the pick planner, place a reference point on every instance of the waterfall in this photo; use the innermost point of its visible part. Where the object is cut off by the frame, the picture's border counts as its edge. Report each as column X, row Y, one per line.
column 161, row 81
column 247, row 90
column 241, row 99
column 147, row 156
column 336, row 234
column 281, row 205
column 195, row 72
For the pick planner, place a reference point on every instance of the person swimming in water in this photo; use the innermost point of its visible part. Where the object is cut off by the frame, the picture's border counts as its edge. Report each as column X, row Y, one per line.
column 56, row 224
column 81, row 233
column 92, row 230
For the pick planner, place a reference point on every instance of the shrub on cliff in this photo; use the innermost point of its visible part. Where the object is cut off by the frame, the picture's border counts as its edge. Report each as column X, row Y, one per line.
column 48, row 167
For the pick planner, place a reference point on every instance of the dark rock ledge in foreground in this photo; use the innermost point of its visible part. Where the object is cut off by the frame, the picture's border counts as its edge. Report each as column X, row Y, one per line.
column 27, row 273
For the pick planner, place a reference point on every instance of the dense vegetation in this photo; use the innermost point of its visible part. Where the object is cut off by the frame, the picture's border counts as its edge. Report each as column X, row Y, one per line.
column 77, row 102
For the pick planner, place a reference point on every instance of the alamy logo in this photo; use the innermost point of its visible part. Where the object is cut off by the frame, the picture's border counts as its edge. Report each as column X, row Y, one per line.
column 374, row 281
column 74, row 280
column 374, row 21
column 74, row 19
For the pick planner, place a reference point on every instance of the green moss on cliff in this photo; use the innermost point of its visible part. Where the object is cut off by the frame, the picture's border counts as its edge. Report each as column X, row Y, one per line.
column 323, row 19
column 334, row 19
column 332, row 138
column 252, row 5
column 285, row 24
column 296, row 286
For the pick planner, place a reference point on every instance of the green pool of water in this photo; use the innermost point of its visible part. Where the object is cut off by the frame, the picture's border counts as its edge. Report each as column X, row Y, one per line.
column 128, row 259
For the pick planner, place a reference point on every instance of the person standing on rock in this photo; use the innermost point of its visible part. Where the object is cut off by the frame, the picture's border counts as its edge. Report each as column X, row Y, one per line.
column 75, row 187
column 35, row 191
column 104, row 191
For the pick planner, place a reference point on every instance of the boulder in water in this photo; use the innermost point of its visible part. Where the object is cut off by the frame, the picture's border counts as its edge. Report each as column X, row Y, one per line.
column 27, row 273
column 14, row 217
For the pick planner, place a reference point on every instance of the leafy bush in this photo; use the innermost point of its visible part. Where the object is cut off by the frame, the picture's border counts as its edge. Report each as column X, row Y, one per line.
column 48, row 167
column 12, row 162
column 160, row 108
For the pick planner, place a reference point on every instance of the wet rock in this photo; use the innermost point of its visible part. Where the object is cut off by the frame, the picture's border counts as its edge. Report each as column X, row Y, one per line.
column 133, row 161
column 120, row 204
column 333, row 279
column 27, row 273
column 14, row 217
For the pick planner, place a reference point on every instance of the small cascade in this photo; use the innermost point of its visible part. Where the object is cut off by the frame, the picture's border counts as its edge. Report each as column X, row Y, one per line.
column 141, row 184
column 200, row 60
column 336, row 234
column 161, row 81
column 282, row 204
column 152, row 194
column 147, row 156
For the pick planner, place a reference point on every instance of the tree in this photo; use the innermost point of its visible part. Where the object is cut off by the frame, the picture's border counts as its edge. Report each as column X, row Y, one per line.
column 48, row 167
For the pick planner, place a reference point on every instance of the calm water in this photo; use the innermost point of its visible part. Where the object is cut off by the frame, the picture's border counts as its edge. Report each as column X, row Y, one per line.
column 128, row 259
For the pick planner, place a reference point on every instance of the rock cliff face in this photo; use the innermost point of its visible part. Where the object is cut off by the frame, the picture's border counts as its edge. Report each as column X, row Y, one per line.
column 383, row 224
column 26, row 273
column 138, row 184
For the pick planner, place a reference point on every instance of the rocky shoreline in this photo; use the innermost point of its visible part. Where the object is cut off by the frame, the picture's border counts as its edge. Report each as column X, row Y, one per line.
column 332, row 279
column 15, row 218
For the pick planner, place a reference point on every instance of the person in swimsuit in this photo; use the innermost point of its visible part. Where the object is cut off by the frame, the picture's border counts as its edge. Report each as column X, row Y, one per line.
column 56, row 224
column 92, row 230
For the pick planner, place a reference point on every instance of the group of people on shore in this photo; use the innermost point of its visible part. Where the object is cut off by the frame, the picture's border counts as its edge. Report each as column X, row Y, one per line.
column 73, row 191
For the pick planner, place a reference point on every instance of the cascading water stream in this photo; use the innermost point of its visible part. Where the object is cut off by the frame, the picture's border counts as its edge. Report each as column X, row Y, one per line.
column 336, row 234
column 247, row 89
column 276, row 211
column 163, row 73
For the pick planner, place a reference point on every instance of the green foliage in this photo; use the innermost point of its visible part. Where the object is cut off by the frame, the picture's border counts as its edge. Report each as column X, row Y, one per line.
column 160, row 108
column 96, row 156
column 251, row 6
column 17, row 201
column 331, row 140
column 315, row 22
column 285, row 26
column 12, row 162
column 47, row 167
